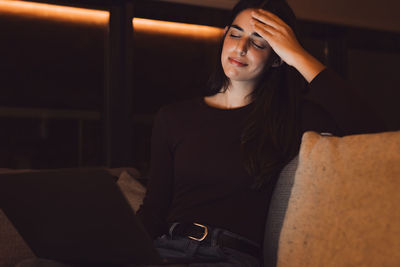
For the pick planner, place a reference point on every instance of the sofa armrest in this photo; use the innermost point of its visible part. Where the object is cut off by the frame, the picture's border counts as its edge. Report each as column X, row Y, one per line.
column 13, row 248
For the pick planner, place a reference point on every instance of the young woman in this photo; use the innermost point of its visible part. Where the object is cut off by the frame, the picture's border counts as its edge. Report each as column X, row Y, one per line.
column 214, row 160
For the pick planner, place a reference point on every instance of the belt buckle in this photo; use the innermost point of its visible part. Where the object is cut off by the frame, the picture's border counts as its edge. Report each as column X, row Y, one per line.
column 204, row 235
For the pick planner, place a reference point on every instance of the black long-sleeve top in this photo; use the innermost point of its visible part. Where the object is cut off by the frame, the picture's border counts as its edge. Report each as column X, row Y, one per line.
column 197, row 174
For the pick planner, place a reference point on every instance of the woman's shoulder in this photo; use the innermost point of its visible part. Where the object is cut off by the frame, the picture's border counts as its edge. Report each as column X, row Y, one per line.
column 316, row 118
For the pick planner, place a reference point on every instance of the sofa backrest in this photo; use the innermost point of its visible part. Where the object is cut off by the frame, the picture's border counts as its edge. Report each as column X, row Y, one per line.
column 276, row 213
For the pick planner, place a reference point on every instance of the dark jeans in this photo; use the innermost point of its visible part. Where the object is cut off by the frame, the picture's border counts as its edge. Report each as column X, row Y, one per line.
column 183, row 247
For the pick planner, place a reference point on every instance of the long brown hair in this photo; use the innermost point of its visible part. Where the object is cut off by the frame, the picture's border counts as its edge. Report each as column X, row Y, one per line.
column 271, row 136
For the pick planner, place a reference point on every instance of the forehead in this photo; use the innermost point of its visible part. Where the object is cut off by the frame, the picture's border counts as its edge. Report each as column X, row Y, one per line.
column 243, row 18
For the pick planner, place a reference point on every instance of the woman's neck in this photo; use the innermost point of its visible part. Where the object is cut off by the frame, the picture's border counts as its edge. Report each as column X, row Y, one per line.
column 235, row 96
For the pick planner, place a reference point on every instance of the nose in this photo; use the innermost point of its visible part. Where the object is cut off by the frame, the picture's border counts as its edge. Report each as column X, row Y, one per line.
column 241, row 46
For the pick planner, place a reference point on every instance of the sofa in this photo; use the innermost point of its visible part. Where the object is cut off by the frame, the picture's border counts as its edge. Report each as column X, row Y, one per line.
column 336, row 204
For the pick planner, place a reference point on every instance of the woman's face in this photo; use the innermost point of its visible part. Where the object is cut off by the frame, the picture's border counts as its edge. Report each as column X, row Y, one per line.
column 244, row 52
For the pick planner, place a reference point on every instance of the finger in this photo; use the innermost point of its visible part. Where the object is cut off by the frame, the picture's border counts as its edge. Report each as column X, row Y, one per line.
column 265, row 19
column 260, row 25
column 272, row 16
column 265, row 31
column 281, row 26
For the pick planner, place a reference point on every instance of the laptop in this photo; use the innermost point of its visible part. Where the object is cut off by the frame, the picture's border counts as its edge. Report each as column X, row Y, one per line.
column 76, row 216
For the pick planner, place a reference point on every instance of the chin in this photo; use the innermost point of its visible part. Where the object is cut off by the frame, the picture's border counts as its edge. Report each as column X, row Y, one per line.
column 234, row 74
column 238, row 77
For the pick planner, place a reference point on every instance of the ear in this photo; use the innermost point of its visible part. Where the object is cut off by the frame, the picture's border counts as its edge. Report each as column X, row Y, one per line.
column 277, row 62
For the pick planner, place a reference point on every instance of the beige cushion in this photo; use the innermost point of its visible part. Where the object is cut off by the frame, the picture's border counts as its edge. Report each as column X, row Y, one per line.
column 132, row 189
column 344, row 209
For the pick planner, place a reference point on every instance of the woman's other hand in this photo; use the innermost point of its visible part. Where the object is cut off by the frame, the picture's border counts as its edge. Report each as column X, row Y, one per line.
column 283, row 41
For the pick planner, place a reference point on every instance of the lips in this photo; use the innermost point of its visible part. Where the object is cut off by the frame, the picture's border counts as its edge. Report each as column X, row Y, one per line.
column 237, row 62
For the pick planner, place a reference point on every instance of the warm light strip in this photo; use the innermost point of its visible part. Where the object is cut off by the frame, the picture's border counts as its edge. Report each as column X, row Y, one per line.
column 175, row 28
column 54, row 12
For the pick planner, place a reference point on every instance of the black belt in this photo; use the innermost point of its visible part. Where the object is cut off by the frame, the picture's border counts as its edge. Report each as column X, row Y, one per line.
column 203, row 233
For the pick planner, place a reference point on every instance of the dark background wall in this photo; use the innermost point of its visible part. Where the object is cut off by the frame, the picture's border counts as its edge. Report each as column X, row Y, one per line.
column 51, row 83
column 75, row 92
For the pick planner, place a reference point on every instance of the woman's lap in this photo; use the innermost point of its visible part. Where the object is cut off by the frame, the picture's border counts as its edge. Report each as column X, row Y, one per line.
column 193, row 250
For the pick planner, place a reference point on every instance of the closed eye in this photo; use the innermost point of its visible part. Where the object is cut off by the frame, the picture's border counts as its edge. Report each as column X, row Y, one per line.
column 259, row 46
column 258, row 42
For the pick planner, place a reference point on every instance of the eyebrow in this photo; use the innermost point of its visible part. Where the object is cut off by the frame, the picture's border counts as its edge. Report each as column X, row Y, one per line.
column 241, row 29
